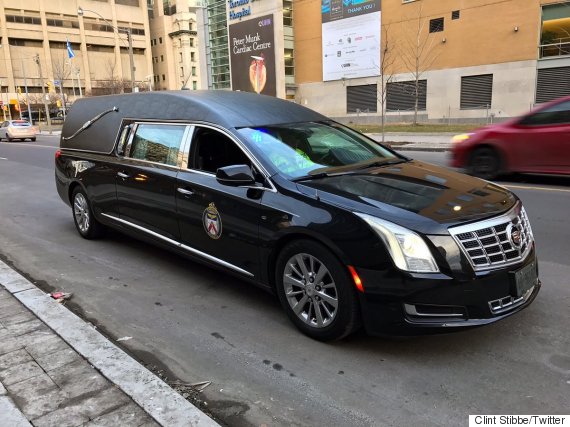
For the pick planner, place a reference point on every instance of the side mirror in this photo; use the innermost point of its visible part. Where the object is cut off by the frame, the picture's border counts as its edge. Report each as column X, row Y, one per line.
column 235, row 175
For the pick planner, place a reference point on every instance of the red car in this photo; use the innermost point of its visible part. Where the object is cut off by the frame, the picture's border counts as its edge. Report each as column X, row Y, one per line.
column 537, row 142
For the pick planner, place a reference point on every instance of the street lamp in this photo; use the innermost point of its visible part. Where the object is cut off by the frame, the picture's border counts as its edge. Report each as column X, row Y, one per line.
column 127, row 31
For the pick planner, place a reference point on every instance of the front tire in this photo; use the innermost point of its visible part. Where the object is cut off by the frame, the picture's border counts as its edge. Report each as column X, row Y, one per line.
column 33, row 139
column 485, row 163
column 86, row 224
column 316, row 292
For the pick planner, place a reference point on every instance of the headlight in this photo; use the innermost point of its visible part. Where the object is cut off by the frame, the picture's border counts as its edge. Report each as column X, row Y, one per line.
column 408, row 250
column 461, row 137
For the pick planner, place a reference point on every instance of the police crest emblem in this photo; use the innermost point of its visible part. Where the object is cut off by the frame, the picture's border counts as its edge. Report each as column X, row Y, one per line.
column 212, row 221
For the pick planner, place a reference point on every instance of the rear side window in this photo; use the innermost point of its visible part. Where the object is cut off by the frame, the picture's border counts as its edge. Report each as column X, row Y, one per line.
column 157, row 143
column 558, row 114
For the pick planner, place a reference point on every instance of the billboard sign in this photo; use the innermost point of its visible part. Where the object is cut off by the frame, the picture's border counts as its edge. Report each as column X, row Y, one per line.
column 252, row 55
column 351, row 38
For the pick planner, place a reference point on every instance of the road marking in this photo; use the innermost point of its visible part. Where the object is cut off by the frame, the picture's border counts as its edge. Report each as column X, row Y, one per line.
column 22, row 144
column 3, row 158
column 524, row 187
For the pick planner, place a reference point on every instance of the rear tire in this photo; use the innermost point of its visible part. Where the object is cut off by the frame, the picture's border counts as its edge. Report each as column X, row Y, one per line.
column 485, row 163
column 315, row 290
column 33, row 139
column 86, row 224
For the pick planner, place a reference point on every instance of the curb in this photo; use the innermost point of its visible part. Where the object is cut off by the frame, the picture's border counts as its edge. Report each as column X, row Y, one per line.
column 154, row 396
column 427, row 149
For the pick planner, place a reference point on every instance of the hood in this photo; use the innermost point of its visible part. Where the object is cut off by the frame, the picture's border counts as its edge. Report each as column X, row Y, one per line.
column 416, row 195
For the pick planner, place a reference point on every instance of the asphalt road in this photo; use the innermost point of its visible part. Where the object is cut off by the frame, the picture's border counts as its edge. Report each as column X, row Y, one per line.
column 201, row 325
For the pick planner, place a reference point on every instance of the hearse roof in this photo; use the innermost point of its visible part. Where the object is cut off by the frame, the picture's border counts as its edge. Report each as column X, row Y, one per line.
column 225, row 108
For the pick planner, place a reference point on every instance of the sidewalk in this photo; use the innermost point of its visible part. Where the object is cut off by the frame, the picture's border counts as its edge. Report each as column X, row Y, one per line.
column 411, row 141
column 56, row 370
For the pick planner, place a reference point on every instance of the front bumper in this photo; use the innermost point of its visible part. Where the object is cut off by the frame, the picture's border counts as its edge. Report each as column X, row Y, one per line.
column 396, row 303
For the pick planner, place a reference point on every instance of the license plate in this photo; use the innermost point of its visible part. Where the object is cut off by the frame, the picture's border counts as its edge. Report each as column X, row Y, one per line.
column 525, row 279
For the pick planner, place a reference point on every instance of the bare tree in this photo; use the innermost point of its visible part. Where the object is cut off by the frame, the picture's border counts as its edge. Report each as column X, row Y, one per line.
column 61, row 71
column 113, row 84
column 421, row 50
column 385, row 71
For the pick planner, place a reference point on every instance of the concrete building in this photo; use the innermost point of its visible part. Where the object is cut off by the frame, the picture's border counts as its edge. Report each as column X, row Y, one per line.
column 473, row 59
column 175, row 44
column 34, row 35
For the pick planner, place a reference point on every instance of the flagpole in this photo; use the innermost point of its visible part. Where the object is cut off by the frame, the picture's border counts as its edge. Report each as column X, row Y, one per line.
column 27, row 96
column 72, row 79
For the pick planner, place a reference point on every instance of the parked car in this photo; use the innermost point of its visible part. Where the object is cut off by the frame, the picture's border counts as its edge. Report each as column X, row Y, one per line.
column 17, row 129
column 345, row 231
column 537, row 142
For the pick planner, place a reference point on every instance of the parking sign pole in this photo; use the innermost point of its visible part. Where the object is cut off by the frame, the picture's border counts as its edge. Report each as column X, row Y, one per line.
column 48, row 118
column 27, row 95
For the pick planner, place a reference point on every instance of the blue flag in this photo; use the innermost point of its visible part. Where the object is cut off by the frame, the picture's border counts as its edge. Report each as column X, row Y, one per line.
column 70, row 53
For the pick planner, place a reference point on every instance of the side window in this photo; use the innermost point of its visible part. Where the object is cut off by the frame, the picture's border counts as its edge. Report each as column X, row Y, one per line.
column 212, row 150
column 555, row 115
column 157, row 143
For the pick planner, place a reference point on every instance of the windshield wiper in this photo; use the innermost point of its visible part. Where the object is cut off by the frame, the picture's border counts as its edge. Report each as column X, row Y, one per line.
column 310, row 177
column 379, row 163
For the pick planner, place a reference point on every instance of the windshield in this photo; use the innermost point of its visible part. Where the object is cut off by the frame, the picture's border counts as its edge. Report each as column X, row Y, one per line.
column 301, row 149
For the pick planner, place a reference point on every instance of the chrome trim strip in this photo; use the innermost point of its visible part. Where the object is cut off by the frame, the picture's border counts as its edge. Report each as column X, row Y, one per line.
column 514, row 213
column 510, row 215
column 181, row 246
column 413, row 311
column 242, row 147
column 509, row 303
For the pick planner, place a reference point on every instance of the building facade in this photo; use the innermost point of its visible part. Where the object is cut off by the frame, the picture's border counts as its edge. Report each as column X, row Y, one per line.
column 34, row 53
column 175, row 44
column 249, row 46
column 465, row 59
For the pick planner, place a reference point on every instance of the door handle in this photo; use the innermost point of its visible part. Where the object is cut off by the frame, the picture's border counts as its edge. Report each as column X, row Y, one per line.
column 185, row 191
column 123, row 175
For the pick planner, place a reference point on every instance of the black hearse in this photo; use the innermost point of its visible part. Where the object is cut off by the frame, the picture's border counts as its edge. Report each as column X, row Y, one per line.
column 345, row 231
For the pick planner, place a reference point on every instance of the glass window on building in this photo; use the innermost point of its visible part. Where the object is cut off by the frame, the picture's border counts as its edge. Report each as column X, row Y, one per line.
column 555, row 35
column 194, row 85
column 169, row 7
column 288, row 13
column 134, row 3
column 289, row 62
column 218, row 38
column 192, row 57
column 193, row 71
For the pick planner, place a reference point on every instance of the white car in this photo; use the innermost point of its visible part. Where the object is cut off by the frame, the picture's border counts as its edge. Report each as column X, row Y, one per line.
column 17, row 129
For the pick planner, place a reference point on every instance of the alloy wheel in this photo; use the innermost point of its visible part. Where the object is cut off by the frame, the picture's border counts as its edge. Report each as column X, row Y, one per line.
column 310, row 290
column 81, row 212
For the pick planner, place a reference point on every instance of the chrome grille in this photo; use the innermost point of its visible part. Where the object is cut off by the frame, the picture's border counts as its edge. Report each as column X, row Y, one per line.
column 487, row 243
